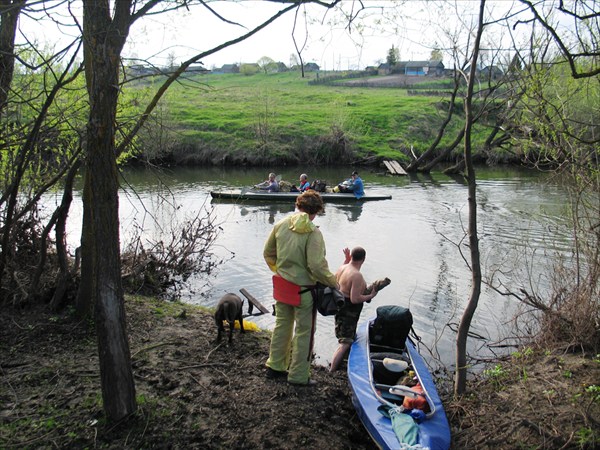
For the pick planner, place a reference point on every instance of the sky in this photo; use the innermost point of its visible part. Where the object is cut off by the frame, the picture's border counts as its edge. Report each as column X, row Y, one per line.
column 181, row 34
column 329, row 43
column 415, row 28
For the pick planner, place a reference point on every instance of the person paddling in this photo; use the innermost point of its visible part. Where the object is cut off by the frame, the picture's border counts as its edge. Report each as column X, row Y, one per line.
column 352, row 185
column 269, row 185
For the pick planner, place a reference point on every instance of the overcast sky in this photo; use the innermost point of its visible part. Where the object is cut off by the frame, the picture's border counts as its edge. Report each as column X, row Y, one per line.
column 330, row 43
column 414, row 27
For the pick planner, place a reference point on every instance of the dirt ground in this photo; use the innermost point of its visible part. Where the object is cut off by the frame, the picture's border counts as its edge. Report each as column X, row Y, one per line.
column 195, row 393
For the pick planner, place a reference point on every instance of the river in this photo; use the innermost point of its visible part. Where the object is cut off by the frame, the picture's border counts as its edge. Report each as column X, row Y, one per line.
column 417, row 239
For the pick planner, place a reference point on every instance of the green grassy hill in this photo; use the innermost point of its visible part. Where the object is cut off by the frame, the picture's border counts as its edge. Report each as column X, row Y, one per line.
column 280, row 117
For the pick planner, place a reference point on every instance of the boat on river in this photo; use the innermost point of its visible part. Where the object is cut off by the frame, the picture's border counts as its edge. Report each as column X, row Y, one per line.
column 371, row 393
column 252, row 194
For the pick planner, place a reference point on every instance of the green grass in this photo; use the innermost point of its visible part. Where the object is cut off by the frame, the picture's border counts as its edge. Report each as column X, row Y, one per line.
column 228, row 110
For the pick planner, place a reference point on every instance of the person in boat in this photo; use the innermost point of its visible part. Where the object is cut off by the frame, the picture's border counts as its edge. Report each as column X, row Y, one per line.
column 295, row 253
column 352, row 185
column 269, row 185
column 303, row 185
column 353, row 286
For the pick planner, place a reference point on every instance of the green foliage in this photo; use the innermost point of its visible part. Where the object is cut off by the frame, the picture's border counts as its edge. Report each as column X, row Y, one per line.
column 249, row 69
column 559, row 112
column 393, row 56
column 497, row 375
column 526, row 352
column 586, row 437
column 594, row 391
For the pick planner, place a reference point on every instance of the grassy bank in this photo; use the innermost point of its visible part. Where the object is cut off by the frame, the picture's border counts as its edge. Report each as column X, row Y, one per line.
column 281, row 116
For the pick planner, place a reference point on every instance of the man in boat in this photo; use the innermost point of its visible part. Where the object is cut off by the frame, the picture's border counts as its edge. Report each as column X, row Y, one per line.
column 354, row 185
column 270, row 185
column 303, row 185
column 354, row 287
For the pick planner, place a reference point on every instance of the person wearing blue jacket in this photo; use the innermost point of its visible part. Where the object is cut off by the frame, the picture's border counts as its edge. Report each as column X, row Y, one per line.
column 354, row 185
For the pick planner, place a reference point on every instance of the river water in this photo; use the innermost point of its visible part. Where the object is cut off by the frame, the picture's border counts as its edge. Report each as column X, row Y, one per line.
column 417, row 239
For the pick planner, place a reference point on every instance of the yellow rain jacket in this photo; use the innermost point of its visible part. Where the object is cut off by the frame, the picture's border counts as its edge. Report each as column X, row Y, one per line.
column 296, row 251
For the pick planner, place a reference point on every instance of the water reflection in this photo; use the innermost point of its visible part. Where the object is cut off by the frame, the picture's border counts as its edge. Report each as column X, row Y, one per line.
column 352, row 212
column 272, row 210
column 416, row 239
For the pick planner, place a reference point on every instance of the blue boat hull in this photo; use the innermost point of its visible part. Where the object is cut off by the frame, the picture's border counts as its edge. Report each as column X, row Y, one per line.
column 434, row 432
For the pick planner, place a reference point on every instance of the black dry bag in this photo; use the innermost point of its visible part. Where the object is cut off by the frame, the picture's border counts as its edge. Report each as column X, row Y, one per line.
column 391, row 326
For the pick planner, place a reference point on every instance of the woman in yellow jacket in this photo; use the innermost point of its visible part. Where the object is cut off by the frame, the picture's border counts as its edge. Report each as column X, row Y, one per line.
column 295, row 252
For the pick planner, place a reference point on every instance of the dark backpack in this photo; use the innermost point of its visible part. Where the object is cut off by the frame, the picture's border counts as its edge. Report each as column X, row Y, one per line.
column 319, row 185
column 391, row 326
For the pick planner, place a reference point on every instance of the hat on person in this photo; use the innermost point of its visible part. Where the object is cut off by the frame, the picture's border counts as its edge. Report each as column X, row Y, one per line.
column 355, row 173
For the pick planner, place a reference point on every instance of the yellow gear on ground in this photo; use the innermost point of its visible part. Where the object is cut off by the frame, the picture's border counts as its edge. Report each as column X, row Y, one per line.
column 248, row 326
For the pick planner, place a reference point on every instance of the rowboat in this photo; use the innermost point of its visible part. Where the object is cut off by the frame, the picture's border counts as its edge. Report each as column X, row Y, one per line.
column 242, row 194
column 368, row 394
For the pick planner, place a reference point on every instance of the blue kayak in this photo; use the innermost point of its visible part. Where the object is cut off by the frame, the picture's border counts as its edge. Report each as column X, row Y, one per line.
column 369, row 394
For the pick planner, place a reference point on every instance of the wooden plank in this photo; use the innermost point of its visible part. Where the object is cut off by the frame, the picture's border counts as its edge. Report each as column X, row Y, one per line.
column 398, row 167
column 389, row 166
column 253, row 302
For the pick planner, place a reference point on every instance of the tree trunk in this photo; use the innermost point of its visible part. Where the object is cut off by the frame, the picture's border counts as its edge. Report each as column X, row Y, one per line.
column 61, row 241
column 460, row 380
column 414, row 165
column 9, row 12
column 103, row 42
column 84, row 304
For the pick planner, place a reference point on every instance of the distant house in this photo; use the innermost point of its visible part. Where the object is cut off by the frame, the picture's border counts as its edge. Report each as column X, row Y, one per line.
column 197, row 68
column 229, row 68
column 383, row 69
column 414, row 68
column 281, row 67
column 311, row 67
column 139, row 70
column 492, row 72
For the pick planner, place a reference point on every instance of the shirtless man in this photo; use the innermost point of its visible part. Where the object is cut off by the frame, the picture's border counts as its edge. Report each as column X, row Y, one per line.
column 352, row 285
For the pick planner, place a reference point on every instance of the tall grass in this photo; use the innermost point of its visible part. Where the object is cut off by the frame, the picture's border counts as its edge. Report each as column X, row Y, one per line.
column 271, row 115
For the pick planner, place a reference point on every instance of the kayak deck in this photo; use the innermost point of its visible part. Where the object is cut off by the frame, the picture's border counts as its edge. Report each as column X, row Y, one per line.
column 239, row 194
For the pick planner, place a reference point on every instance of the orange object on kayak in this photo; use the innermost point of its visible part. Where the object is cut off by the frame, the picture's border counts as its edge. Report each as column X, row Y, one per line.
column 416, row 403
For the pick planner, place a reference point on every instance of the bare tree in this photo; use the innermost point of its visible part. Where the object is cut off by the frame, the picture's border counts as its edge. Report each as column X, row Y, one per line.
column 580, row 43
column 460, row 380
column 300, row 48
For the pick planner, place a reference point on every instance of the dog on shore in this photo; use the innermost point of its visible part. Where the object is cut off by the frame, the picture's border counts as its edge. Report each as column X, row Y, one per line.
column 229, row 309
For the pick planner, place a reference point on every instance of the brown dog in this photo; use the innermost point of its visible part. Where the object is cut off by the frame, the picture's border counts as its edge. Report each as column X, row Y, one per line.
column 229, row 309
